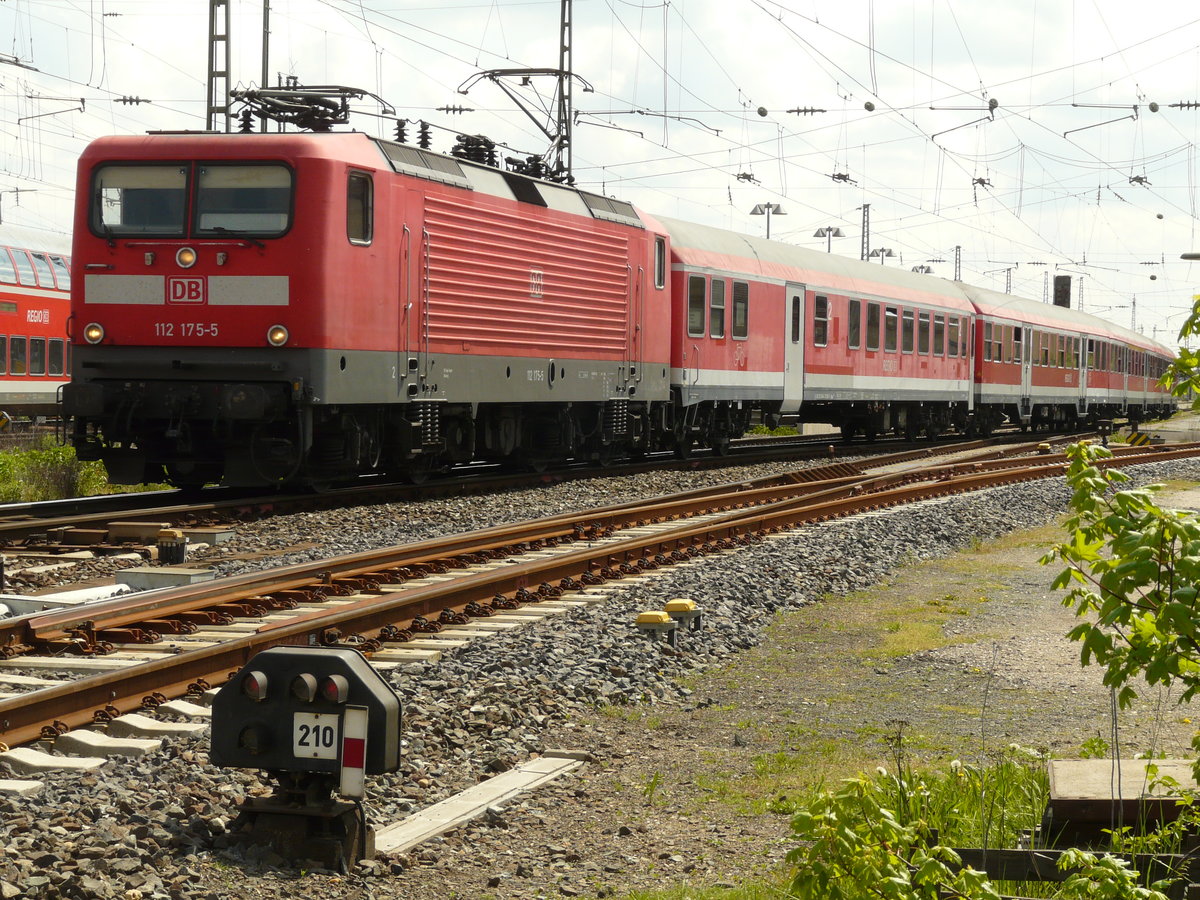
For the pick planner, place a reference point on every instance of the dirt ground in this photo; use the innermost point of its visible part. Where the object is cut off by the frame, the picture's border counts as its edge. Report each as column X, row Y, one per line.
column 966, row 655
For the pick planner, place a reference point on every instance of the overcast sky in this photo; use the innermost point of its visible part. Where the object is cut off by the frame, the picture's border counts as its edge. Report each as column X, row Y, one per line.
column 689, row 115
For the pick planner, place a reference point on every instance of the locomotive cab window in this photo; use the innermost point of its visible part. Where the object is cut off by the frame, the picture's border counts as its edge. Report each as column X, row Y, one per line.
column 696, row 306
column 360, row 208
column 138, row 200
column 820, row 323
column 250, row 199
column 716, row 309
column 741, row 310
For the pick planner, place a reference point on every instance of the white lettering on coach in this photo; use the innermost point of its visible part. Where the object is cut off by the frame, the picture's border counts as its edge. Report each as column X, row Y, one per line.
column 37, row 316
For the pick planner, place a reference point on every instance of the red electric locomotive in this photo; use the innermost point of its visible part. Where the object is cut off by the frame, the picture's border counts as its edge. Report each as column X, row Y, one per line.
column 305, row 307
column 261, row 309
column 34, row 306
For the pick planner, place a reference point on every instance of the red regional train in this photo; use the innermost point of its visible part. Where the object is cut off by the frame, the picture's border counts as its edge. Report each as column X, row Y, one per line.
column 35, row 301
column 284, row 308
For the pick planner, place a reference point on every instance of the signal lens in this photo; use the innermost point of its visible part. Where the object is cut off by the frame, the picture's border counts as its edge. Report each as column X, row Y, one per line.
column 335, row 689
column 93, row 333
column 304, row 687
column 185, row 257
column 254, row 686
column 277, row 335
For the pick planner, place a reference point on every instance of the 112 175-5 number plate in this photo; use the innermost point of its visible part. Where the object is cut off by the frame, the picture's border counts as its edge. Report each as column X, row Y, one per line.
column 315, row 735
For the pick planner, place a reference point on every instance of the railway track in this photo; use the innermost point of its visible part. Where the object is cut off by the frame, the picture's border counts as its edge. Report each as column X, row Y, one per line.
column 178, row 642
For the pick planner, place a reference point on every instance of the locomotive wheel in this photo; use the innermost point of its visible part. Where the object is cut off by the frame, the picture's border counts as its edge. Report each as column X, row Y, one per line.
column 720, row 445
column 191, row 475
column 683, row 447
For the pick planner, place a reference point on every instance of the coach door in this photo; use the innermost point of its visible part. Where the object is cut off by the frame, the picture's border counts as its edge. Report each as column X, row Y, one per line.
column 793, row 347
column 1026, row 345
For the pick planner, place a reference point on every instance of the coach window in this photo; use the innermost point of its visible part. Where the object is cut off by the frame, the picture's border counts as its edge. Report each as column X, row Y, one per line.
column 16, row 357
column 3, row 354
column 62, row 274
column 741, row 310
column 1017, row 348
column 1091, row 353
column 907, row 331
column 716, row 309
column 891, row 318
column 923, row 332
column 56, row 357
column 1045, row 350
column 24, row 267
column 939, row 335
column 360, row 208
column 797, row 313
column 820, row 323
column 660, row 263
column 987, row 341
column 1008, row 345
column 1062, row 352
column 8, row 272
column 37, row 356
column 953, row 348
column 696, row 306
column 854, row 325
column 44, row 273
column 872, row 326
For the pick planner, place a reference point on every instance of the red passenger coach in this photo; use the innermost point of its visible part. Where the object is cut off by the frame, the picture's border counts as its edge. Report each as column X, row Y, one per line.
column 304, row 307
column 834, row 340
column 34, row 306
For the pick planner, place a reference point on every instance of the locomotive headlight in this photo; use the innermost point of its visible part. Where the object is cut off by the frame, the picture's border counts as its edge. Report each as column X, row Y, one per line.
column 277, row 335
column 186, row 257
column 93, row 333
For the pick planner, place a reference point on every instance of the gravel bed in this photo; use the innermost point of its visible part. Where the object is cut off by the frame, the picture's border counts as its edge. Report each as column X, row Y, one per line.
column 152, row 827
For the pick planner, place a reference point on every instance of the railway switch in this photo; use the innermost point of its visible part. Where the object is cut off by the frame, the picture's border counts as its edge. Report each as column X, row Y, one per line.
column 318, row 719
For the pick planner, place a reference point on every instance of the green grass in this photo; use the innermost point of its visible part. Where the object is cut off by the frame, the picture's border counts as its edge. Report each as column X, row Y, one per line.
column 50, row 471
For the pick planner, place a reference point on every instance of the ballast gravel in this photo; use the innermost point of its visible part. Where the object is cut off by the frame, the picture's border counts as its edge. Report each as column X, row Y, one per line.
column 156, row 827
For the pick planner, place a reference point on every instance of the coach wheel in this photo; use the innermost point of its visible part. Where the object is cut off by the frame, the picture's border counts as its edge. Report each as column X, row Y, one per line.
column 720, row 444
column 683, row 447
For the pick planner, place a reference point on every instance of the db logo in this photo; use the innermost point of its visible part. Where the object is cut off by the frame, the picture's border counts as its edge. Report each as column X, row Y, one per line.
column 185, row 290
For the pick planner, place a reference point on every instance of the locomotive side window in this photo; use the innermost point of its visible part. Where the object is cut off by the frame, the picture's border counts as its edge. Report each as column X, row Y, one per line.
column 8, row 272
column 243, row 199
column 939, row 335
column 907, row 331
column 923, row 333
column 16, row 359
column 872, row 326
column 139, row 200
column 716, row 309
column 820, row 325
column 57, row 356
column 37, row 356
column 660, row 267
column 360, row 208
column 891, row 318
column 696, row 306
column 854, row 325
column 741, row 310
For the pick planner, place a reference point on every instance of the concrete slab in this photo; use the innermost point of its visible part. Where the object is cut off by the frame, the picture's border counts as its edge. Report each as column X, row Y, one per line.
column 186, row 708
column 135, row 532
column 428, row 642
column 27, row 680
column 85, row 665
column 210, row 534
column 148, row 578
column 20, row 787
column 397, row 654
column 486, row 625
column 533, row 610
column 472, row 802
column 25, row 761
column 137, row 725
column 93, row 743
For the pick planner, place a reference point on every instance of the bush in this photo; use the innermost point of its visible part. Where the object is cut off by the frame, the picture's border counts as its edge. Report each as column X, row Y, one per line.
column 49, row 472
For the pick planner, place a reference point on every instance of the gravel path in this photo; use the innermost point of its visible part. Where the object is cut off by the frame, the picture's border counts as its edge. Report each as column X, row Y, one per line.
column 674, row 733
